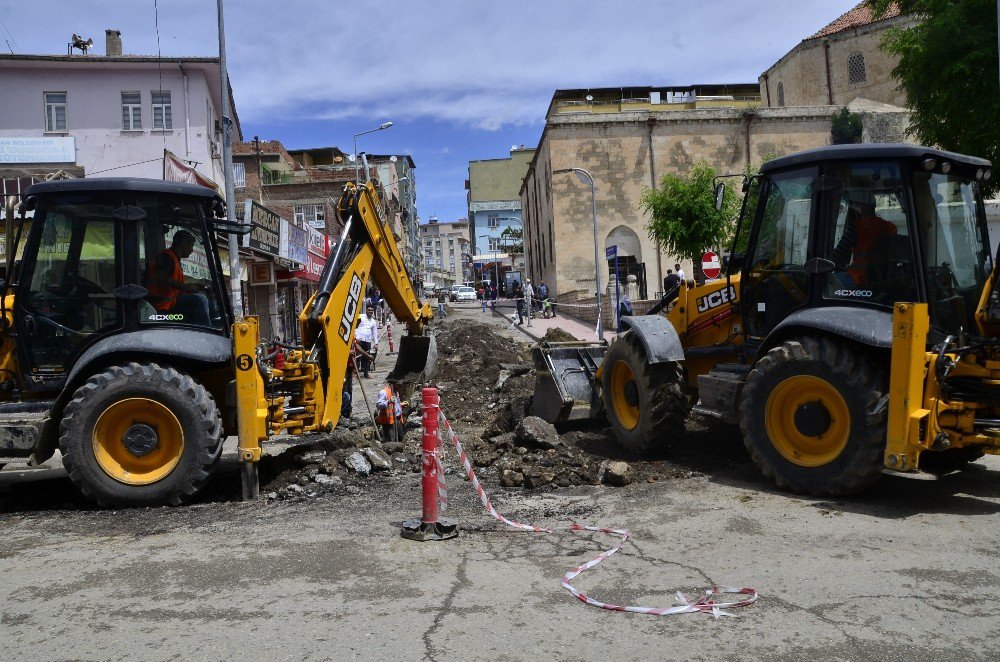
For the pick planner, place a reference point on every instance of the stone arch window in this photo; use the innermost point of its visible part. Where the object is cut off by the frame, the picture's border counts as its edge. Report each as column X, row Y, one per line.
column 856, row 69
column 781, row 94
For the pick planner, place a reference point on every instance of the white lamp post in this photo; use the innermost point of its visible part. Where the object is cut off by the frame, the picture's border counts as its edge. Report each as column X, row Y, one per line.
column 586, row 178
column 357, row 161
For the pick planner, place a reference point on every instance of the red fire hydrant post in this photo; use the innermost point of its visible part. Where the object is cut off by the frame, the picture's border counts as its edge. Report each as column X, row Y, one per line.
column 430, row 526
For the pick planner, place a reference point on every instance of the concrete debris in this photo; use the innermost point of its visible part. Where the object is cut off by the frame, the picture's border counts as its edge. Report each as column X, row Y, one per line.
column 618, row 474
column 379, row 460
column 358, row 463
column 533, row 431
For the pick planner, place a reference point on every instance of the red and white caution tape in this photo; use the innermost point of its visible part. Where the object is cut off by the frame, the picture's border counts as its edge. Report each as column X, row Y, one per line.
column 709, row 603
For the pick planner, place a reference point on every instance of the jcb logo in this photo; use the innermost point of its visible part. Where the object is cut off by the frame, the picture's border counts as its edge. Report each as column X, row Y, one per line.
column 350, row 308
column 716, row 299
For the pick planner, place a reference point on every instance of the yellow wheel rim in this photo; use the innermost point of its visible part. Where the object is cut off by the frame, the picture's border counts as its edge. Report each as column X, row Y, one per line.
column 807, row 420
column 625, row 395
column 138, row 441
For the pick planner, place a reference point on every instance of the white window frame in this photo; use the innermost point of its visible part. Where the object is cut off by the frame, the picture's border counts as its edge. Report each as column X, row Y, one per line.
column 308, row 213
column 494, row 243
column 493, row 221
column 165, row 109
column 51, row 123
column 239, row 175
column 132, row 111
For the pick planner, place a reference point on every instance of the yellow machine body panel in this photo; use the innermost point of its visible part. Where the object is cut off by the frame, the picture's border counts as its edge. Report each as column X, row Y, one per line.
column 708, row 316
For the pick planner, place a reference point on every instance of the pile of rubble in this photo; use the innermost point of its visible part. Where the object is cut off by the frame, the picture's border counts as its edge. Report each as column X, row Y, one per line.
column 485, row 381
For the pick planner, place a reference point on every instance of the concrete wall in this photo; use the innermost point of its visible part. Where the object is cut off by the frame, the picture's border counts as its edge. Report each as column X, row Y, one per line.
column 616, row 151
column 94, row 116
column 803, row 70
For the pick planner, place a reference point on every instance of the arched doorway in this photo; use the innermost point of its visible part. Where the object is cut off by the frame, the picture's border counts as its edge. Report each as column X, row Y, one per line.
column 629, row 257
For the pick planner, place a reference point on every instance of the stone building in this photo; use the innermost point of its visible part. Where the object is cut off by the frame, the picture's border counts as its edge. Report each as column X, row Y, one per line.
column 627, row 147
column 838, row 64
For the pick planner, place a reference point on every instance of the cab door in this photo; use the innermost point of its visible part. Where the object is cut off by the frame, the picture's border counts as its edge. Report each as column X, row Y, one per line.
column 66, row 294
column 774, row 281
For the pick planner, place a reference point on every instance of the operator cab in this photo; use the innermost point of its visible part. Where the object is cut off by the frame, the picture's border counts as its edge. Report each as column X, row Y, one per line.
column 110, row 256
column 865, row 226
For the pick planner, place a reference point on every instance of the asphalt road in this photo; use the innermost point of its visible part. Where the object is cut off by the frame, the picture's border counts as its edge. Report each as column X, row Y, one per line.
column 904, row 571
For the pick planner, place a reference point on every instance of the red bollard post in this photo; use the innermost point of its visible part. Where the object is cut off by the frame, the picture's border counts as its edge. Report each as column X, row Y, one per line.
column 430, row 526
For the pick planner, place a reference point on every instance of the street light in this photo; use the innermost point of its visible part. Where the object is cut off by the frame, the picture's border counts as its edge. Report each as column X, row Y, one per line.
column 386, row 125
column 586, row 178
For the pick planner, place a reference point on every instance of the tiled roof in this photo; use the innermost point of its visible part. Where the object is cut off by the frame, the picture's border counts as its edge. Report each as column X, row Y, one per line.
column 857, row 17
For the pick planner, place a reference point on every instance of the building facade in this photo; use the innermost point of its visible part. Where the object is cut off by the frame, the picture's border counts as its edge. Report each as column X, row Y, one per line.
column 627, row 147
column 110, row 115
column 444, row 245
column 838, row 64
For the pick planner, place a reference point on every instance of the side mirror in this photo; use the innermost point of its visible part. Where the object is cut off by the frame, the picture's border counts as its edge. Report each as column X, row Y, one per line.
column 720, row 194
column 731, row 263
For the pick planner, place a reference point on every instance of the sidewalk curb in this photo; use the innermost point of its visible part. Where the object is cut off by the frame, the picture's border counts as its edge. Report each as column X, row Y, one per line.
column 520, row 327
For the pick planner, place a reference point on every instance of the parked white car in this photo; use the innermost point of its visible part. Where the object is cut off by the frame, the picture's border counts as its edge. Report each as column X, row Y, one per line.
column 465, row 294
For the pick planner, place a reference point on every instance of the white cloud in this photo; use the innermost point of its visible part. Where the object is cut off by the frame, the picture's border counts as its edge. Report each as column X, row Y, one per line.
column 477, row 64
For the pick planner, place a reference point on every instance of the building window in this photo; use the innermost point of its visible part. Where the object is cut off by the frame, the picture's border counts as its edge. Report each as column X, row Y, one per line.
column 781, row 94
column 55, row 111
column 493, row 221
column 162, row 116
column 131, row 111
column 856, row 69
column 239, row 175
column 494, row 243
column 314, row 215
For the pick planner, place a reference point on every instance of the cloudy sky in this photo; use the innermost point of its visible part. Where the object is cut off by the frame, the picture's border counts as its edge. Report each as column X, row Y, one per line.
column 461, row 79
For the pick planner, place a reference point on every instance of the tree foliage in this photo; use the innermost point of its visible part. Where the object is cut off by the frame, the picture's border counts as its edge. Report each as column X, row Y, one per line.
column 845, row 127
column 683, row 216
column 948, row 68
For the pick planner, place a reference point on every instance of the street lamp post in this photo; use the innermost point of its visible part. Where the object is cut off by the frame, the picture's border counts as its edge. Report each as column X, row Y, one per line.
column 586, row 178
column 386, row 125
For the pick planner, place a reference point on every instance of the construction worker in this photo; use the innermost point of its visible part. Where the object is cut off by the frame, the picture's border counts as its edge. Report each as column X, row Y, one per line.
column 388, row 410
column 169, row 290
column 863, row 227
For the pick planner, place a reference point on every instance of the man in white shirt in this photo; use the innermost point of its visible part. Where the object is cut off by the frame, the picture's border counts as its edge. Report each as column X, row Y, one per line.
column 366, row 334
column 529, row 296
column 680, row 272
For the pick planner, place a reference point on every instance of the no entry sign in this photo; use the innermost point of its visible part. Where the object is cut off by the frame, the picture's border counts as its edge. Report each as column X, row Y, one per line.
column 710, row 265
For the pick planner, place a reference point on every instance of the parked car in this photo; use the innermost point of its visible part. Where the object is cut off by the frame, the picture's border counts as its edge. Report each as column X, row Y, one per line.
column 465, row 294
column 453, row 292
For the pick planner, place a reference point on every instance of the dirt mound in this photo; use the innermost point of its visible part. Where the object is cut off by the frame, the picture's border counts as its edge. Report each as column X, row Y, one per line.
column 558, row 335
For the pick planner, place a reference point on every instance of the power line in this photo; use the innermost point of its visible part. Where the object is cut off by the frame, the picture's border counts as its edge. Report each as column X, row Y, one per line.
column 11, row 35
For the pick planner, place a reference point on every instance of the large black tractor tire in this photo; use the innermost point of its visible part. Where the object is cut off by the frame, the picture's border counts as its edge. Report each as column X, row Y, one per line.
column 645, row 404
column 140, row 435
column 813, row 417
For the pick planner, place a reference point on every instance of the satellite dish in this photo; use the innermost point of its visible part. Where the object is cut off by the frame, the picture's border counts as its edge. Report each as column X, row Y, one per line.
column 513, row 147
column 392, row 159
column 351, row 158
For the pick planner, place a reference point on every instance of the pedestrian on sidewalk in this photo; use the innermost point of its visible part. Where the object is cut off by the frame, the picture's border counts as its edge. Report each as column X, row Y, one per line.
column 529, row 297
column 543, row 296
column 493, row 295
column 483, row 296
column 519, row 301
column 680, row 272
column 367, row 336
column 442, row 299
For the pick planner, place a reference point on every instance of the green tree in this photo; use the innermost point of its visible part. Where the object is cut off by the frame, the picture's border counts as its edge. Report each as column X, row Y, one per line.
column 683, row 217
column 845, row 127
column 512, row 240
column 948, row 69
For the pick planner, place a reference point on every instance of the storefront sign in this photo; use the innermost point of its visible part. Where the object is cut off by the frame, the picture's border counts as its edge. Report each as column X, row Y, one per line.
column 262, row 273
column 266, row 233
column 38, row 150
column 294, row 243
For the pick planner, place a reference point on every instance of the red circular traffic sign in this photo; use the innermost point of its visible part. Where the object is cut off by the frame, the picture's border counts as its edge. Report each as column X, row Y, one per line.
column 710, row 265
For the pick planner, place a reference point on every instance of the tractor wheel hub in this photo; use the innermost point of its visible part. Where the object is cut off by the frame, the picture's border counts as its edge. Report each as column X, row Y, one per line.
column 812, row 419
column 140, row 439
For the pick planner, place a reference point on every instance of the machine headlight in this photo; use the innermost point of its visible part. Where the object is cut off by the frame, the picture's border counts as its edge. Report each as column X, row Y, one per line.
column 930, row 164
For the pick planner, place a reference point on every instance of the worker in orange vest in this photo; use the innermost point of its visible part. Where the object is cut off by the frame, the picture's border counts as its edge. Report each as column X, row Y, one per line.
column 169, row 290
column 862, row 230
column 388, row 410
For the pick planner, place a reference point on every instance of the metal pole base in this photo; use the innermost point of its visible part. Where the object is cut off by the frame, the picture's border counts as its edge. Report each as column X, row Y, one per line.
column 416, row 529
column 250, row 481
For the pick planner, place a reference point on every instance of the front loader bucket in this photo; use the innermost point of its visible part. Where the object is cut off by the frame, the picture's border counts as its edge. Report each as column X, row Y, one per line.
column 416, row 362
column 565, row 387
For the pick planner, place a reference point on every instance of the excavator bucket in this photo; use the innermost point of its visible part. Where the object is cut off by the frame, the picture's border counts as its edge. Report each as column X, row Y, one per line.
column 565, row 376
column 416, row 362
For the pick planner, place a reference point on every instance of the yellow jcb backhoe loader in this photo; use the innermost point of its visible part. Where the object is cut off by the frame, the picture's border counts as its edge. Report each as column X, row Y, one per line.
column 119, row 346
column 856, row 334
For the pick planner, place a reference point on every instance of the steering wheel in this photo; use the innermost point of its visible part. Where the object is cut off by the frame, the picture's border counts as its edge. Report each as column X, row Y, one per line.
column 80, row 286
